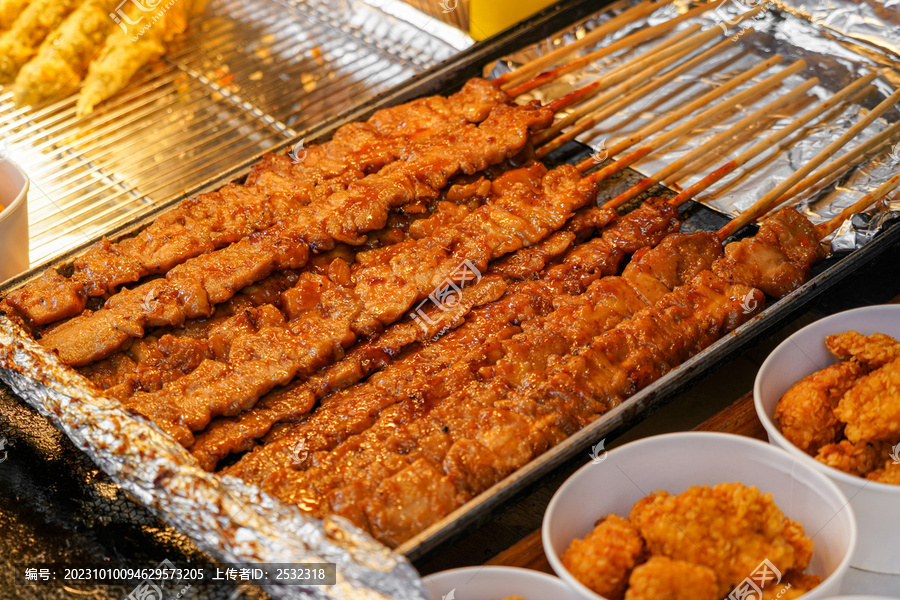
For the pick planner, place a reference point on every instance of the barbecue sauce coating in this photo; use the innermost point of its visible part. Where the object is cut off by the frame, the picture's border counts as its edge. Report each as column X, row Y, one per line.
column 276, row 189
column 192, row 289
column 453, row 433
column 530, row 204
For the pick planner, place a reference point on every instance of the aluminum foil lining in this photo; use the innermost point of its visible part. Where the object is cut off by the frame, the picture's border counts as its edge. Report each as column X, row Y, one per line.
column 840, row 41
column 232, row 521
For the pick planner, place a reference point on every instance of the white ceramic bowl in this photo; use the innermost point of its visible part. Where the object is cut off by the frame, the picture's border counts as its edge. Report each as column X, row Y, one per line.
column 496, row 583
column 13, row 220
column 877, row 505
column 674, row 462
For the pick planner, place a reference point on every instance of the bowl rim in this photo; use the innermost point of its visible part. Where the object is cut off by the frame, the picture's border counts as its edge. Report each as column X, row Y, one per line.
column 774, row 431
column 22, row 194
column 555, row 560
column 501, row 569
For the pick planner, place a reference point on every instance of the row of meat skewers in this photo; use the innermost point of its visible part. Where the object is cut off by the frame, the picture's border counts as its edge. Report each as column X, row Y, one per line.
column 285, row 309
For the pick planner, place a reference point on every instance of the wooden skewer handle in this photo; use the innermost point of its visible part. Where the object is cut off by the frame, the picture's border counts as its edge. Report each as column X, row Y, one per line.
column 702, row 101
column 771, row 142
column 588, row 120
column 628, row 41
column 634, row 13
column 860, row 205
column 778, row 192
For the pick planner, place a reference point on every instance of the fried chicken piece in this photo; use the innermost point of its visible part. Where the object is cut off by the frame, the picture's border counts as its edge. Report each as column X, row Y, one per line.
column 128, row 49
column 872, row 351
column 855, row 459
column 10, row 11
column 24, row 37
column 890, row 473
column 62, row 59
column 792, row 585
column 730, row 528
column 662, row 578
column 871, row 408
column 603, row 560
column 806, row 411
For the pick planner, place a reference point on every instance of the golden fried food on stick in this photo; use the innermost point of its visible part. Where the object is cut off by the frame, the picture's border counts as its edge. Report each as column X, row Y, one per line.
column 603, row 560
column 21, row 42
column 131, row 47
column 871, row 351
column 63, row 58
column 10, row 11
column 806, row 411
column 871, row 408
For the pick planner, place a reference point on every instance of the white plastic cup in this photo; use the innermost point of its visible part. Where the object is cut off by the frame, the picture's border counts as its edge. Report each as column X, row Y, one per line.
column 13, row 220
column 674, row 462
column 877, row 505
column 496, row 583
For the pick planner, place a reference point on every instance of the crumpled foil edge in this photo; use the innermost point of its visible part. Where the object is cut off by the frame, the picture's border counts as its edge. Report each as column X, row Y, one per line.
column 232, row 521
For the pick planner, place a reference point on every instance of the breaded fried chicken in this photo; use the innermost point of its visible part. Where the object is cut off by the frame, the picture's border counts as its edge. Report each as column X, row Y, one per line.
column 792, row 586
column 730, row 528
column 871, row 408
column 662, row 578
column 872, row 351
column 806, row 411
column 890, row 473
column 603, row 560
column 855, row 459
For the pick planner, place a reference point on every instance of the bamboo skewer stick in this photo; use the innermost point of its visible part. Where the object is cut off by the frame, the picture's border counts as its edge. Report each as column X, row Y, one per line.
column 773, row 140
column 780, row 191
column 693, row 156
column 688, row 109
column 749, row 135
column 827, row 228
column 634, row 13
column 835, row 167
column 704, row 118
column 626, row 42
column 626, row 76
column 590, row 120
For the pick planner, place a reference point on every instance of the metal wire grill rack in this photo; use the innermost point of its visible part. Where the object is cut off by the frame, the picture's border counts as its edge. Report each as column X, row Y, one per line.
column 247, row 75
